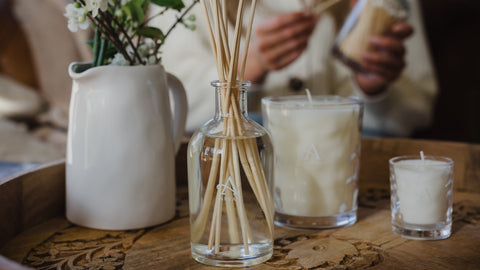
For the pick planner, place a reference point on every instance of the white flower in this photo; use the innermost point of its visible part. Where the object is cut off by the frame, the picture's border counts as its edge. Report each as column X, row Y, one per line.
column 77, row 17
column 119, row 60
column 145, row 51
column 146, row 48
column 124, row 2
column 95, row 5
column 152, row 60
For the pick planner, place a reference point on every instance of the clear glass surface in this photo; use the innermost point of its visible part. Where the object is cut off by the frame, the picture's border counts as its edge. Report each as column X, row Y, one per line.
column 317, row 154
column 421, row 197
column 230, row 187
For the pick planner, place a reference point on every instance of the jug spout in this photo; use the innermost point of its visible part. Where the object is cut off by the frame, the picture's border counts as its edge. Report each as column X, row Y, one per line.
column 76, row 68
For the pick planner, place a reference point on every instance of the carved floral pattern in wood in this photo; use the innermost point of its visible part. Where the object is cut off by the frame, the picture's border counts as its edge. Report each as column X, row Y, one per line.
column 99, row 250
column 310, row 252
column 466, row 211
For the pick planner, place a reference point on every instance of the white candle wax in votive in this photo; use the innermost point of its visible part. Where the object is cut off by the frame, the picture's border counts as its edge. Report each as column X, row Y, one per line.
column 422, row 187
column 316, row 148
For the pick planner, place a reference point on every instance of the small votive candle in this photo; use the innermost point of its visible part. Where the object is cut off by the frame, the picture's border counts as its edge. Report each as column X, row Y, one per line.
column 421, row 196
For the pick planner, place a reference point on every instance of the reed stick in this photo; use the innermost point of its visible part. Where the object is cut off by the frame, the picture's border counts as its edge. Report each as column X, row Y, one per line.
column 233, row 152
column 247, row 39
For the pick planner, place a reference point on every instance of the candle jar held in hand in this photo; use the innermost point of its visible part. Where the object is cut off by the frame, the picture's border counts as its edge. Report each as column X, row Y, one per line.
column 230, row 163
column 368, row 18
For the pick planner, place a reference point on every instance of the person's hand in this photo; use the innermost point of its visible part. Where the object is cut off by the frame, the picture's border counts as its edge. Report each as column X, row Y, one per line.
column 278, row 42
column 385, row 61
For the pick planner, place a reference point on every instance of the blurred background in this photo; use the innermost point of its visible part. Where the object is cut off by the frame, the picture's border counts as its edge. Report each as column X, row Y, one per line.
column 36, row 48
column 453, row 30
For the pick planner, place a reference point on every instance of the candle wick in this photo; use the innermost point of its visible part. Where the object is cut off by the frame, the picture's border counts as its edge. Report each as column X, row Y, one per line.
column 422, row 156
column 309, row 95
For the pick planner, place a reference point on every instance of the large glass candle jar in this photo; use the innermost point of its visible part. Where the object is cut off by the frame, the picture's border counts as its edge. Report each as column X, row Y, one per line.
column 317, row 152
column 230, row 163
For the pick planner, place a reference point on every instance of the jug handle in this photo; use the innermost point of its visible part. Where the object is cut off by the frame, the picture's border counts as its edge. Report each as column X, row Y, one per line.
column 179, row 108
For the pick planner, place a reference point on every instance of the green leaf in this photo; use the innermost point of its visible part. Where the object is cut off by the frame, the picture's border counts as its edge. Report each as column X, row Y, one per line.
column 127, row 11
column 135, row 10
column 150, row 32
column 90, row 43
column 174, row 4
column 110, row 51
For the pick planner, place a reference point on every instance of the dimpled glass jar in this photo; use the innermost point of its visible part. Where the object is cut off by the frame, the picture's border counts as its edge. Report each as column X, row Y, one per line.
column 317, row 144
column 421, row 197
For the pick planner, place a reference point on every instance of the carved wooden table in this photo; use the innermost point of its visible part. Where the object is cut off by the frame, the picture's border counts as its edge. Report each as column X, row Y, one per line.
column 34, row 232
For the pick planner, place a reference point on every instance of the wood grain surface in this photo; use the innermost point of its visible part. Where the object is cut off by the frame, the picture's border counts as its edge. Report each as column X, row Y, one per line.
column 34, row 232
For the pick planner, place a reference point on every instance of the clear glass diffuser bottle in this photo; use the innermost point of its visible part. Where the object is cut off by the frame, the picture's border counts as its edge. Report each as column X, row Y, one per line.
column 230, row 162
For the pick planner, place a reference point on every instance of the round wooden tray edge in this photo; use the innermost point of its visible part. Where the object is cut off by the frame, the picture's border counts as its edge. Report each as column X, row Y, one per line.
column 31, row 171
column 31, row 197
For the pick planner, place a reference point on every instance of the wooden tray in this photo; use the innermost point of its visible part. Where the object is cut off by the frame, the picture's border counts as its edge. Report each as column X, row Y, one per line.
column 34, row 232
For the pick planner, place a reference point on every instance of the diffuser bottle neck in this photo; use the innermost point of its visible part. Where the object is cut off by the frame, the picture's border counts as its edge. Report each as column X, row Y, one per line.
column 230, row 100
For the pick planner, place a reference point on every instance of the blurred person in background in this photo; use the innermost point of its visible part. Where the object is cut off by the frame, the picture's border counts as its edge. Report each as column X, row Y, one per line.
column 290, row 50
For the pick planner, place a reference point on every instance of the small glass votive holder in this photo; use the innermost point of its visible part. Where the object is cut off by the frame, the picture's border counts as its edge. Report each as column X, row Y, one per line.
column 316, row 144
column 421, row 196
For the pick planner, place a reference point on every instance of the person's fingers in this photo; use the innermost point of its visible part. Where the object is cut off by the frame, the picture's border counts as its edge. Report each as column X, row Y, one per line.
column 388, row 72
column 281, row 40
column 272, row 55
column 267, row 41
column 371, row 83
column 388, row 44
column 279, row 48
column 287, row 59
column 401, row 30
column 384, row 60
column 258, row 63
column 279, row 22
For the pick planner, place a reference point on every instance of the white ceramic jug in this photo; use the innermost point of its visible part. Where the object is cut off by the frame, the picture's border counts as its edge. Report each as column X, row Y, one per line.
column 121, row 147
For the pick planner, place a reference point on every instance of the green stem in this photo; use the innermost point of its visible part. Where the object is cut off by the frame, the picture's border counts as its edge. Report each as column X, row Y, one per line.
column 96, row 39
column 101, row 52
column 179, row 19
column 127, row 36
column 110, row 34
column 154, row 16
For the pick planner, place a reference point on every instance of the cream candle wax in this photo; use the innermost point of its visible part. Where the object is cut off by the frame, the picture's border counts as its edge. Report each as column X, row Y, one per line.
column 316, row 148
column 422, row 195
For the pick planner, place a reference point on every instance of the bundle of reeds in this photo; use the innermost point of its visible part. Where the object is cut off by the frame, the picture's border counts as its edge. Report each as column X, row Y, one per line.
column 235, row 152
